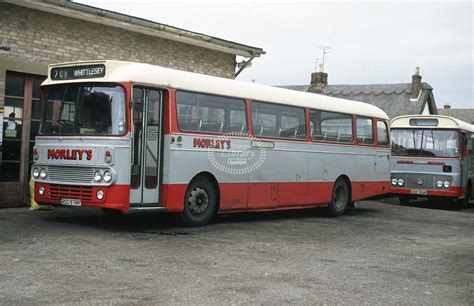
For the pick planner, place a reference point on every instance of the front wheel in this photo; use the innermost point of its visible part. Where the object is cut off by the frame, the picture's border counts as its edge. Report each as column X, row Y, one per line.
column 200, row 202
column 340, row 198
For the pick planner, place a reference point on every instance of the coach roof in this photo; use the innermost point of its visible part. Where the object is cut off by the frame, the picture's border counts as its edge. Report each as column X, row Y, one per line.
column 443, row 122
column 117, row 71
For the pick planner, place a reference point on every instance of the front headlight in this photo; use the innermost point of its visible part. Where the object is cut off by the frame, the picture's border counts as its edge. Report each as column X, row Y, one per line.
column 107, row 176
column 439, row 184
column 394, row 182
column 35, row 172
column 99, row 194
column 401, row 182
column 43, row 173
column 98, row 176
column 446, row 184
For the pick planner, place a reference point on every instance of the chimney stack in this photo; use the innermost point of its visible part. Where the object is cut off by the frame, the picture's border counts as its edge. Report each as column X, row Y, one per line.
column 318, row 81
column 447, row 106
column 416, row 84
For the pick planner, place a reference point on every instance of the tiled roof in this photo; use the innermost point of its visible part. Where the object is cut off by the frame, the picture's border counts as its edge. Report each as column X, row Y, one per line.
column 394, row 99
column 464, row 114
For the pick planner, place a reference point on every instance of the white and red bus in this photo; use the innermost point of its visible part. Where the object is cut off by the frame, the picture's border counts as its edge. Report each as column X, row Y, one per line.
column 131, row 137
column 432, row 157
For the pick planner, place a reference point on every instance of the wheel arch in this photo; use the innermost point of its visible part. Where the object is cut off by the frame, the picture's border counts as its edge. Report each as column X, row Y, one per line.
column 345, row 177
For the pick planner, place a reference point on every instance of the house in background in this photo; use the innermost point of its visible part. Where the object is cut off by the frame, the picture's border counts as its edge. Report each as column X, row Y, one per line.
column 464, row 114
column 395, row 99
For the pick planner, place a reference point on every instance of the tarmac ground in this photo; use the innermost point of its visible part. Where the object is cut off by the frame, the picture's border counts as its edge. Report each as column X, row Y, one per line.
column 379, row 252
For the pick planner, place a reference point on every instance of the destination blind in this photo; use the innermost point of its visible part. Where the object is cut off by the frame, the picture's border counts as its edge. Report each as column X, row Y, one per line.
column 78, row 72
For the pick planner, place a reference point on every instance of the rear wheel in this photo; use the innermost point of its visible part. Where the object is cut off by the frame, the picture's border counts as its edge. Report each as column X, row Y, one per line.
column 200, row 202
column 463, row 203
column 340, row 198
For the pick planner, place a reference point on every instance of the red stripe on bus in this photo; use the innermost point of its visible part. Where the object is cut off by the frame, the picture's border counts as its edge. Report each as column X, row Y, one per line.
column 233, row 196
column 272, row 195
column 436, row 163
column 421, row 163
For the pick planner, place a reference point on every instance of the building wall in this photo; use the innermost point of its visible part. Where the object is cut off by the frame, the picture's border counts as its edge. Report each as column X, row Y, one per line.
column 38, row 38
column 44, row 38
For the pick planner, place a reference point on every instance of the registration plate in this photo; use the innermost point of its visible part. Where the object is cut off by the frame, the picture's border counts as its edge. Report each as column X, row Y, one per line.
column 71, row 202
column 419, row 191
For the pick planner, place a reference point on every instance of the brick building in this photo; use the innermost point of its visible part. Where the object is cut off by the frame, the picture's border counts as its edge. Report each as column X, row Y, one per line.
column 34, row 34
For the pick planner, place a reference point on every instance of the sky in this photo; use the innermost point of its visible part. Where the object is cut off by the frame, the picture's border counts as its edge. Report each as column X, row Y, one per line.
column 371, row 42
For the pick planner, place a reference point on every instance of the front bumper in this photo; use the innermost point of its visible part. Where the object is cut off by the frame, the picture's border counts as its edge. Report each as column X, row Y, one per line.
column 115, row 196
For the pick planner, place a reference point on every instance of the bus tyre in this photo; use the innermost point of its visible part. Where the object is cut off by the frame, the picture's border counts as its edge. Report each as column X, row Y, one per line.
column 464, row 202
column 200, row 202
column 340, row 198
column 404, row 200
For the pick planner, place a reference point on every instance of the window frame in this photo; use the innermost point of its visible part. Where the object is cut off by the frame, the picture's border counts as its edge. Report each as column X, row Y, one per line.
column 389, row 140
column 332, row 142
column 245, row 110
column 374, row 133
column 45, row 101
column 305, row 139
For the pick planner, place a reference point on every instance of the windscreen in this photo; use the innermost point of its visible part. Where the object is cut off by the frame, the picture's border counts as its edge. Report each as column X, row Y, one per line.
column 425, row 142
column 84, row 109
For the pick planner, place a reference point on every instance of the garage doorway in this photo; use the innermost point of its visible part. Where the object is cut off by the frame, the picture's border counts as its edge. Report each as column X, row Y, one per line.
column 20, row 124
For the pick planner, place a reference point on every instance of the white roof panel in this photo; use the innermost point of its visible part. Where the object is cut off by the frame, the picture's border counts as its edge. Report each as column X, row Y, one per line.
column 159, row 76
column 444, row 122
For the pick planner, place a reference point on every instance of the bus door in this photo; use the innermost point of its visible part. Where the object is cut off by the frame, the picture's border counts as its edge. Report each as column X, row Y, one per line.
column 146, row 146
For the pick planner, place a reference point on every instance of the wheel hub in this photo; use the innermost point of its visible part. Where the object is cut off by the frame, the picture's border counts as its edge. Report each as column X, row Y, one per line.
column 198, row 201
column 339, row 197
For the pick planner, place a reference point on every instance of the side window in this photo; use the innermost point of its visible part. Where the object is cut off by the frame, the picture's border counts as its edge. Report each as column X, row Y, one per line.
column 270, row 120
column 470, row 145
column 210, row 114
column 382, row 133
column 331, row 127
column 365, row 130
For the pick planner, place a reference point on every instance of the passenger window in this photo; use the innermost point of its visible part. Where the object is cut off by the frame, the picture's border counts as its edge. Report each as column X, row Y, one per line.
column 470, row 145
column 331, row 126
column 365, row 130
column 382, row 133
column 210, row 114
column 279, row 121
column 237, row 122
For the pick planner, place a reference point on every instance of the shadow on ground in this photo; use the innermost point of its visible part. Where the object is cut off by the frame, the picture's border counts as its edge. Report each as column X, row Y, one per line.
column 436, row 204
column 169, row 224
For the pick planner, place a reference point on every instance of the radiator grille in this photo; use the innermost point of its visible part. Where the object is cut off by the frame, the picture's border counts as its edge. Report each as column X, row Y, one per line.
column 84, row 193
column 70, row 174
column 428, row 181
